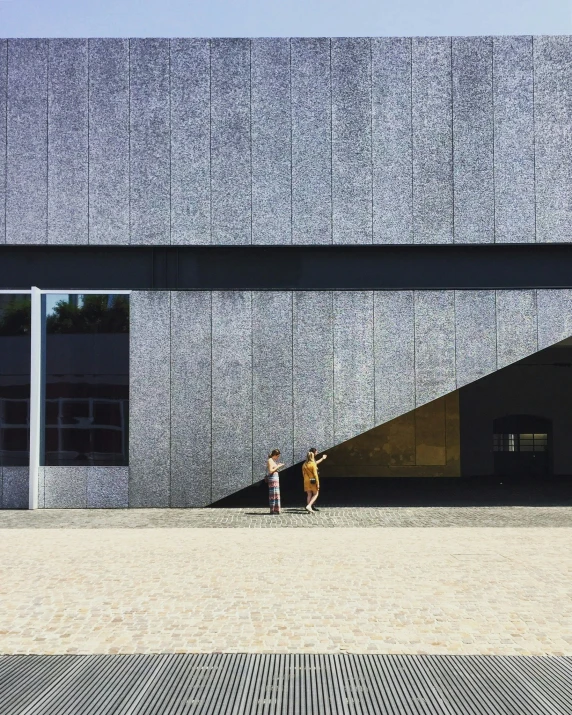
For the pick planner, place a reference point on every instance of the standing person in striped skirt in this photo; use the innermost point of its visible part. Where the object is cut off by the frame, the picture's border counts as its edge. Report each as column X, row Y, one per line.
column 273, row 481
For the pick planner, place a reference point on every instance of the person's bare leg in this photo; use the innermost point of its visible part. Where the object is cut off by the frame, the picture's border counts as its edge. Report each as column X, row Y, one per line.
column 312, row 500
column 309, row 498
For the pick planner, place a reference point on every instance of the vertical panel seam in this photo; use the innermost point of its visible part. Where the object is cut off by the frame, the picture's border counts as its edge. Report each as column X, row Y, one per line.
column 371, row 138
column 170, row 151
column 331, row 148
column 250, row 142
column 6, row 148
column 170, row 499
column 292, row 371
column 129, row 136
column 455, row 338
column 210, row 158
column 534, row 134
column 496, row 332
column 493, row 145
column 452, row 142
column 291, row 147
column 333, row 339
column 88, row 135
column 48, row 44
column 211, row 295
column 412, row 230
column 251, row 294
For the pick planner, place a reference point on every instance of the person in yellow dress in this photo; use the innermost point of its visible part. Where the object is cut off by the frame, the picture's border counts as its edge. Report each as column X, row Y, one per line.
column 311, row 478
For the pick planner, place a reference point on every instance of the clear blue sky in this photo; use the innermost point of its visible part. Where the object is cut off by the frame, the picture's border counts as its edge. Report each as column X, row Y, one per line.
column 264, row 18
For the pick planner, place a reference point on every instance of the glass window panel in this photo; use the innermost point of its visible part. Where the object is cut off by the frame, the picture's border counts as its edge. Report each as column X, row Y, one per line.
column 87, row 380
column 15, row 313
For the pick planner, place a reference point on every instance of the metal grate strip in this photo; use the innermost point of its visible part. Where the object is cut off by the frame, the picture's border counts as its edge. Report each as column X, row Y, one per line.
column 293, row 684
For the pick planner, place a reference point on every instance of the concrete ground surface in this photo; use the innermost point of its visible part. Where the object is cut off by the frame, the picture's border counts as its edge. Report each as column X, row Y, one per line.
column 477, row 585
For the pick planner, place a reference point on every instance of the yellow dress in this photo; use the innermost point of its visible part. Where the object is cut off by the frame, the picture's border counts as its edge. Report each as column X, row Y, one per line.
column 310, row 471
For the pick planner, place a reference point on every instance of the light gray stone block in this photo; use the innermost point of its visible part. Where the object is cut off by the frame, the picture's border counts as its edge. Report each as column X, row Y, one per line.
column 554, row 316
column 190, row 142
column 109, row 141
column 27, row 169
column 391, row 140
column 311, row 141
column 432, row 140
column 354, row 388
column 232, row 392
column 149, row 395
column 394, row 354
column 41, row 488
column 3, row 147
column 108, row 487
column 352, row 211
column 313, row 363
column 65, row 487
column 513, row 92
column 475, row 335
column 271, row 142
column 67, row 142
column 230, row 142
column 272, row 378
column 552, row 120
column 473, row 140
column 15, row 487
column 517, row 334
column 191, row 397
column 150, row 177
column 434, row 345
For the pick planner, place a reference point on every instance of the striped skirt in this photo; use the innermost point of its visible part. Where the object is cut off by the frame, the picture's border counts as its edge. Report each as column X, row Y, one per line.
column 274, row 494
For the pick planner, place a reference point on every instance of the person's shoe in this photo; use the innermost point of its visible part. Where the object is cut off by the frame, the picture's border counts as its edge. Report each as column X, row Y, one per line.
column 309, row 509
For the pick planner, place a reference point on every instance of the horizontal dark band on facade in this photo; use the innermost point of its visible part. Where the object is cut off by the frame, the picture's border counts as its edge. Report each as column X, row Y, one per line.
column 421, row 267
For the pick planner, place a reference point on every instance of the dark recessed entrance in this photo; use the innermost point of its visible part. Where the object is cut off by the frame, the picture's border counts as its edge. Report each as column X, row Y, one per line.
column 522, row 446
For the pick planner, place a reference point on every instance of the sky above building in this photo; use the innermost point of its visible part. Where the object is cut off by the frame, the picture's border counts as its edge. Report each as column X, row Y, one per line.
column 284, row 18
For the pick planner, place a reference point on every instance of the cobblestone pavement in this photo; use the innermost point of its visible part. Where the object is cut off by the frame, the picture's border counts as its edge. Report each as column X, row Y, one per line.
column 329, row 517
column 328, row 590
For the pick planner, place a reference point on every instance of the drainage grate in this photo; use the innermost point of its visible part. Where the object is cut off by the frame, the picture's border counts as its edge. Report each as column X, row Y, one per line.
column 294, row 684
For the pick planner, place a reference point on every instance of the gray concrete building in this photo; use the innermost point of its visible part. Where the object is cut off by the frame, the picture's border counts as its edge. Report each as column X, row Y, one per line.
column 217, row 247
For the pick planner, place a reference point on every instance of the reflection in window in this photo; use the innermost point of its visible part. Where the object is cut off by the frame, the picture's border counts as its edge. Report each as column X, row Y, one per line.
column 86, row 380
column 520, row 442
column 14, row 380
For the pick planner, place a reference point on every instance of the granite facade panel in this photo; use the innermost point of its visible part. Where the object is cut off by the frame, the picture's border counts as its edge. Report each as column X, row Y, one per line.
column 107, row 487
column 313, row 371
column 352, row 209
column 15, row 487
column 27, row 138
column 271, row 142
column 311, row 141
column 394, row 354
column 475, row 335
column 432, row 140
column 149, row 399
column 554, row 316
column 65, row 487
column 391, row 140
column 272, row 353
column 517, row 334
column 513, row 94
column 473, row 140
column 190, row 142
column 3, row 145
column 553, row 119
column 150, row 173
column 108, row 142
column 232, row 392
column 191, row 398
column 354, row 383
column 67, row 142
column 230, row 142
column 434, row 345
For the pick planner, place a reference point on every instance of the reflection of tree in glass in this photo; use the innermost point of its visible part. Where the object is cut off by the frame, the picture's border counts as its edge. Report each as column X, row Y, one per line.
column 97, row 314
column 15, row 316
